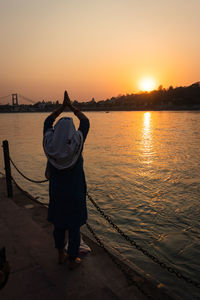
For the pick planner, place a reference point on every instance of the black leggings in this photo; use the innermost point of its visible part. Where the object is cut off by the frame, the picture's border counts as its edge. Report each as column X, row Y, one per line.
column 73, row 240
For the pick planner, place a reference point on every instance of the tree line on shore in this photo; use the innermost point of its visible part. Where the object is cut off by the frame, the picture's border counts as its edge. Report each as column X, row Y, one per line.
column 183, row 97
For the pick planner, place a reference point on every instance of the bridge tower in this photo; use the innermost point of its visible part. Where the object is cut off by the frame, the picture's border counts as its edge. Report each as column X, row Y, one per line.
column 15, row 100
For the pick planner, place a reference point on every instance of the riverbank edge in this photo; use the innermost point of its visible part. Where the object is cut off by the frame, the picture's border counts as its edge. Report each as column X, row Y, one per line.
column 110, row 109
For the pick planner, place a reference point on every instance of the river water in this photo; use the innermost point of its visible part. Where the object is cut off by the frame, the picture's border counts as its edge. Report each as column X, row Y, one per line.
column 142, row 168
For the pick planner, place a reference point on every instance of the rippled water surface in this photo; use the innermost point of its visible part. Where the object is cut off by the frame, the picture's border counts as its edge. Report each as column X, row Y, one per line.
column 142, row 168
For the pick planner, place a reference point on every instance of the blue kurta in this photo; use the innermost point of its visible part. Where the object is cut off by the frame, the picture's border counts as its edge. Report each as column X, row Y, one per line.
column 67, row 188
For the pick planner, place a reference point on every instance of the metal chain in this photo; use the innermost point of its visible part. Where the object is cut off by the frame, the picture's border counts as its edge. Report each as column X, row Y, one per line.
column 117, row 263
column 28, row 195
column 145, row 252
column 31, row 180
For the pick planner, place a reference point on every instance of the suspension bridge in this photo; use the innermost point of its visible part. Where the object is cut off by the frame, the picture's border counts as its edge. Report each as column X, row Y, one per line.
column 16, row 100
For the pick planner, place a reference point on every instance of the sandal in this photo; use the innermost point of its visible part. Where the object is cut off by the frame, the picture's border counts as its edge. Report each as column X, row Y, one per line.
column 73, row 264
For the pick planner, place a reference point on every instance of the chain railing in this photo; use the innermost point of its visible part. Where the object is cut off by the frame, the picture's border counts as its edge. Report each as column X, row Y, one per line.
column 27, row 178
column 145, row 252
column 125, row 236
column 28, row 195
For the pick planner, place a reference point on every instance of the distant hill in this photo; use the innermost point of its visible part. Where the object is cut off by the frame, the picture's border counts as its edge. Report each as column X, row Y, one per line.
column 172, row 98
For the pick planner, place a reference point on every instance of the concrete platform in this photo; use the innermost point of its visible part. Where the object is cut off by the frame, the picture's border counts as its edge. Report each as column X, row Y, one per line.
column 35, row 273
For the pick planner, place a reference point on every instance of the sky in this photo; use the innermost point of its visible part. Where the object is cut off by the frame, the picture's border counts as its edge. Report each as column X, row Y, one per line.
column 96, row 49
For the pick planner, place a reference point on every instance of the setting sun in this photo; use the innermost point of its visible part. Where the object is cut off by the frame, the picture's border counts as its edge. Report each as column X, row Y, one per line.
column 147, row 84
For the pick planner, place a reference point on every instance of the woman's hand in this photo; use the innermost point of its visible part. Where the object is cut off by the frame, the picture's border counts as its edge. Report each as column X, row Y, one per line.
column 66, row 101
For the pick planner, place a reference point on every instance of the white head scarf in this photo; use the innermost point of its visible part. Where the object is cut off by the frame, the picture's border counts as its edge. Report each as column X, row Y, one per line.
column 63, row 144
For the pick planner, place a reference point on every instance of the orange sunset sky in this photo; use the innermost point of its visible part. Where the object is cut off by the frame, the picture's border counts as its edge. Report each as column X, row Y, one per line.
column 96, row 48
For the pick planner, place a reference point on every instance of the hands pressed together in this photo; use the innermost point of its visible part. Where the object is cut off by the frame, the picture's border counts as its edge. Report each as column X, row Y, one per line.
column 66, row 100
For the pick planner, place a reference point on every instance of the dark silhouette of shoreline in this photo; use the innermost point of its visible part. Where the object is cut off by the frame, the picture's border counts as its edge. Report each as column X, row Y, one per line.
column 179, row 98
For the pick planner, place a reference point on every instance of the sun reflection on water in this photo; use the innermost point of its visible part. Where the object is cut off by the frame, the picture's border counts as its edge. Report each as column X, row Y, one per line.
column 147, row 140
column 147, row 131
column 147, row 119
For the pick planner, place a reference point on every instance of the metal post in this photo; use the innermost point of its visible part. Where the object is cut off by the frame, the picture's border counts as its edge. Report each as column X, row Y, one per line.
column 7, row 169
